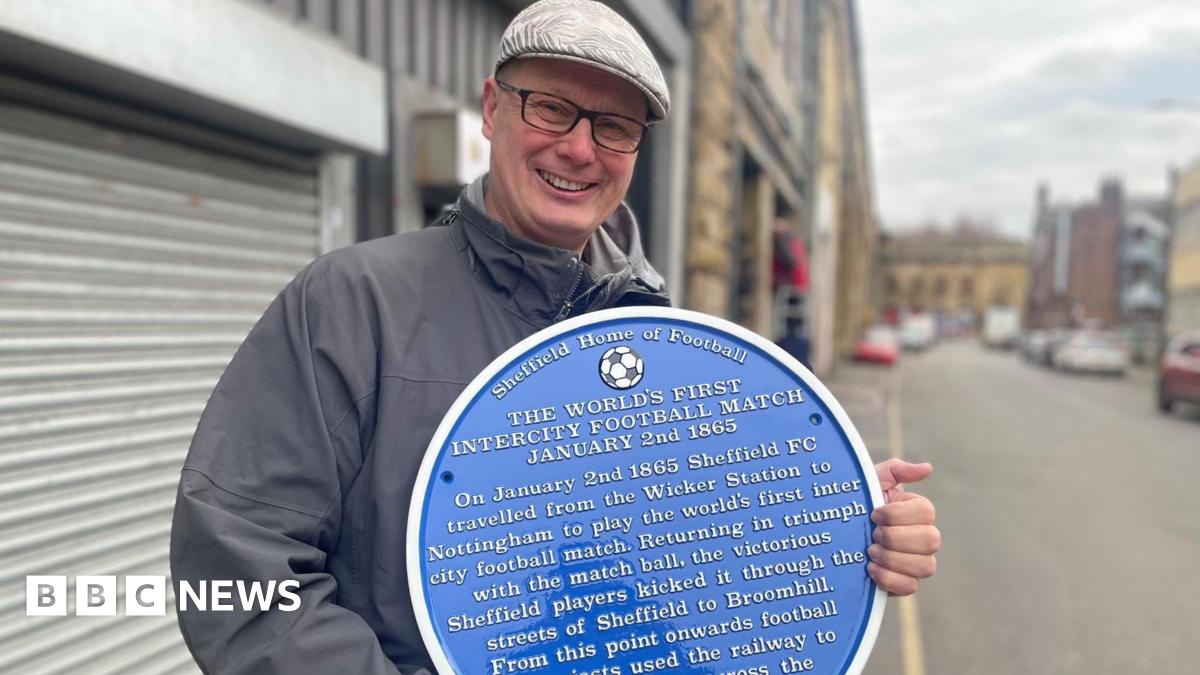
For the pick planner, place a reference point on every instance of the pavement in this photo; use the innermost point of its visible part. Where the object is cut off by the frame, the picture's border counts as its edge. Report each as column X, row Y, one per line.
column 870, row 396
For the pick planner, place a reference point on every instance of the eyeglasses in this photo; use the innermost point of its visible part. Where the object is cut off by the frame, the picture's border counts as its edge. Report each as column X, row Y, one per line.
column 557, row 115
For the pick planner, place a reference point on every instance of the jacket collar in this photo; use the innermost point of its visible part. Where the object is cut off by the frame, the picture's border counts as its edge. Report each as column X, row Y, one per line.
column 544, row 284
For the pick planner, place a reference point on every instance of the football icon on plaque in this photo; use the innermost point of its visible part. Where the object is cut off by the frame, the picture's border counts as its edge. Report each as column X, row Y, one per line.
column 645, row 490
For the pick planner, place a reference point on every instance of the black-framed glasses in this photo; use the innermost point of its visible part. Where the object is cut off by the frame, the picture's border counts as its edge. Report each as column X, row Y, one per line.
column 557, row 115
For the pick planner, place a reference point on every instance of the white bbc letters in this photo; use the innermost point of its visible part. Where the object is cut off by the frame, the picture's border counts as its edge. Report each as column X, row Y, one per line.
column 145, row 595
column 95, row 596
column 45, row 595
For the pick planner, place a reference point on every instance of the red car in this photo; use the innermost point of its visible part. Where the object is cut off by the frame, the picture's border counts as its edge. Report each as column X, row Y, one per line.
column 879, row 345
column 1179, row 371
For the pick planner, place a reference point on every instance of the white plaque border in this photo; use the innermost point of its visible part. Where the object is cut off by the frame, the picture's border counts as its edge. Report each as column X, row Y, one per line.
column 416, row 508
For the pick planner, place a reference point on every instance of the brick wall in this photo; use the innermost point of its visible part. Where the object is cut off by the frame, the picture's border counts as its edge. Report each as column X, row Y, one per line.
column 1095, row 238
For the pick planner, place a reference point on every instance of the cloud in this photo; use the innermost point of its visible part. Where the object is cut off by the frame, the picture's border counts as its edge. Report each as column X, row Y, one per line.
column 973, row 103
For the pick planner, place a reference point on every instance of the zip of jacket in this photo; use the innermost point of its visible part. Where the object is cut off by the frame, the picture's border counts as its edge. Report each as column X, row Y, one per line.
column 569, row 303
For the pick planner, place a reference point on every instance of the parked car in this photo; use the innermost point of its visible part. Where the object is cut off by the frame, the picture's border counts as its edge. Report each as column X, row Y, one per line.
column 1179, row 371
column 878, row 345
column 918, row 332
column 1055, row 338
column 1092, row 351
column 1034, row 345
column 1039, row 346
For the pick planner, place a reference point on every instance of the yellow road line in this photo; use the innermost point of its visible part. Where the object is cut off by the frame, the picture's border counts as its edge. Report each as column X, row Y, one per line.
column 910, row 636
column 911, row 651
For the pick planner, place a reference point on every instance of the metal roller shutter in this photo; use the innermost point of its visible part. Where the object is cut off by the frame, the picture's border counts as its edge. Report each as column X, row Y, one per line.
column 131, row 268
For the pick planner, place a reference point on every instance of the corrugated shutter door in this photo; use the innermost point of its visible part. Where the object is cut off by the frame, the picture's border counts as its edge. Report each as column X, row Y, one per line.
column 130, row 270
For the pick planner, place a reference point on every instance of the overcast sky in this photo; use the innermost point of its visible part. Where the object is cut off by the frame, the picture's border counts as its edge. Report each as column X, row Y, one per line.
column 972, row 102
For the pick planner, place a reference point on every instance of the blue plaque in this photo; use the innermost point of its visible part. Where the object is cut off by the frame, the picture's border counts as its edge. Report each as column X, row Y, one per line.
column 645, row 490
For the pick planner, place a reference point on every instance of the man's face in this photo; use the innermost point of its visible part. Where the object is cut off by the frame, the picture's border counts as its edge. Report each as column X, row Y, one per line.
column 524, row 160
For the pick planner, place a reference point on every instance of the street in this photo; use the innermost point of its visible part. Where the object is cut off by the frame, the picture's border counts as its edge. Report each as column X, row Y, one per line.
column 1067, row 512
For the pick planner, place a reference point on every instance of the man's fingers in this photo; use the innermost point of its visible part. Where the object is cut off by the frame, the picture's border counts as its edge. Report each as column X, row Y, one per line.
column 906, row 508
column 905, row 537
column 921, row 539
column 908, row 564
column 892, row 582
column 894, row 471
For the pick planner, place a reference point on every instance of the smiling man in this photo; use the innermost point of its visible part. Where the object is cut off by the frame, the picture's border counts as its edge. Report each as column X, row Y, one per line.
column 304, row 462
column 564, row 140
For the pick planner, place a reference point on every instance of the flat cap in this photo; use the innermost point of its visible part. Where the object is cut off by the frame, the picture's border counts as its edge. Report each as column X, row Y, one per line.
column 591, row 33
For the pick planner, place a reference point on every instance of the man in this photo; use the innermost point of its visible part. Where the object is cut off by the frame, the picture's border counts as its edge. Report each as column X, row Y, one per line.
column 303, row 464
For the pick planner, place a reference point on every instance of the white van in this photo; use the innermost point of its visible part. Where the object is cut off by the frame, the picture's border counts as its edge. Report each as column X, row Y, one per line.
column 918, row 332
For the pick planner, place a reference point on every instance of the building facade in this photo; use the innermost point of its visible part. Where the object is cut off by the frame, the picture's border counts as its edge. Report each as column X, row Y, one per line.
column 1145, row 234
column 1075, row 268
column 1047, row 304
column 748, row 164
column 1093, row 279
column 1183, row 275
column 779, row 144
column 957, row 274
column 844, row 233
column 1101, row 264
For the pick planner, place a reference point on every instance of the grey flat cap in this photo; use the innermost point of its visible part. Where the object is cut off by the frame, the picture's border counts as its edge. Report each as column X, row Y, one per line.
column 588, row 32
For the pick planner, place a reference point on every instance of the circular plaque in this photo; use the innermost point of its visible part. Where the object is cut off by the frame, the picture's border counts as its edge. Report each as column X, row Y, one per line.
column 645, row 490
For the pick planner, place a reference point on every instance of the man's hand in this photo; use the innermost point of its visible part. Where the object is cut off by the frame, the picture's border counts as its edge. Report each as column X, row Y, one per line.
column 905, row 537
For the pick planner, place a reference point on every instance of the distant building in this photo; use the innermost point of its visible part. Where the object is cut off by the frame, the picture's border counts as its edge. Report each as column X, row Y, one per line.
column 1074, row 264
column 1095, row 238
column 1142, row 275
column 1101, row 263
column 1047, row 304
column 1183, row 266
column 1143, row 260
column 958, row 273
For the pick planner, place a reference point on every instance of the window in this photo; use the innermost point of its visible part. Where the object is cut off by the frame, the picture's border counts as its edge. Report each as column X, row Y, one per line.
column 916, row 293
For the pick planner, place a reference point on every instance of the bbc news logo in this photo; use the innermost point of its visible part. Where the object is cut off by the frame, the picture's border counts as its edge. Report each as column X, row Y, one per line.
column 146, row 595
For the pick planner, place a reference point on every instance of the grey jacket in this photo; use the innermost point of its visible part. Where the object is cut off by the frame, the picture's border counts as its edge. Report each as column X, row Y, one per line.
column 304, row 461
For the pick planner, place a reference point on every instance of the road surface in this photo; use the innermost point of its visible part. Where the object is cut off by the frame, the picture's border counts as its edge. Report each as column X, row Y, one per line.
column 1069, row 516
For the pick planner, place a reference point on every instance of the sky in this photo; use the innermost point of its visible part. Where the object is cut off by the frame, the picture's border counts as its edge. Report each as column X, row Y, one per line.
column 971, row 103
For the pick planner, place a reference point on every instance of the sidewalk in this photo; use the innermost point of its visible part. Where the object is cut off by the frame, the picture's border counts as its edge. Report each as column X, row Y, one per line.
column 863, row 391
column 866, row 392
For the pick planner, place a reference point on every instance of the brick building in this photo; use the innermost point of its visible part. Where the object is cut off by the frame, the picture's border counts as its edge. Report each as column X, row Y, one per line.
column 1095, row 243
column 1074, row 265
